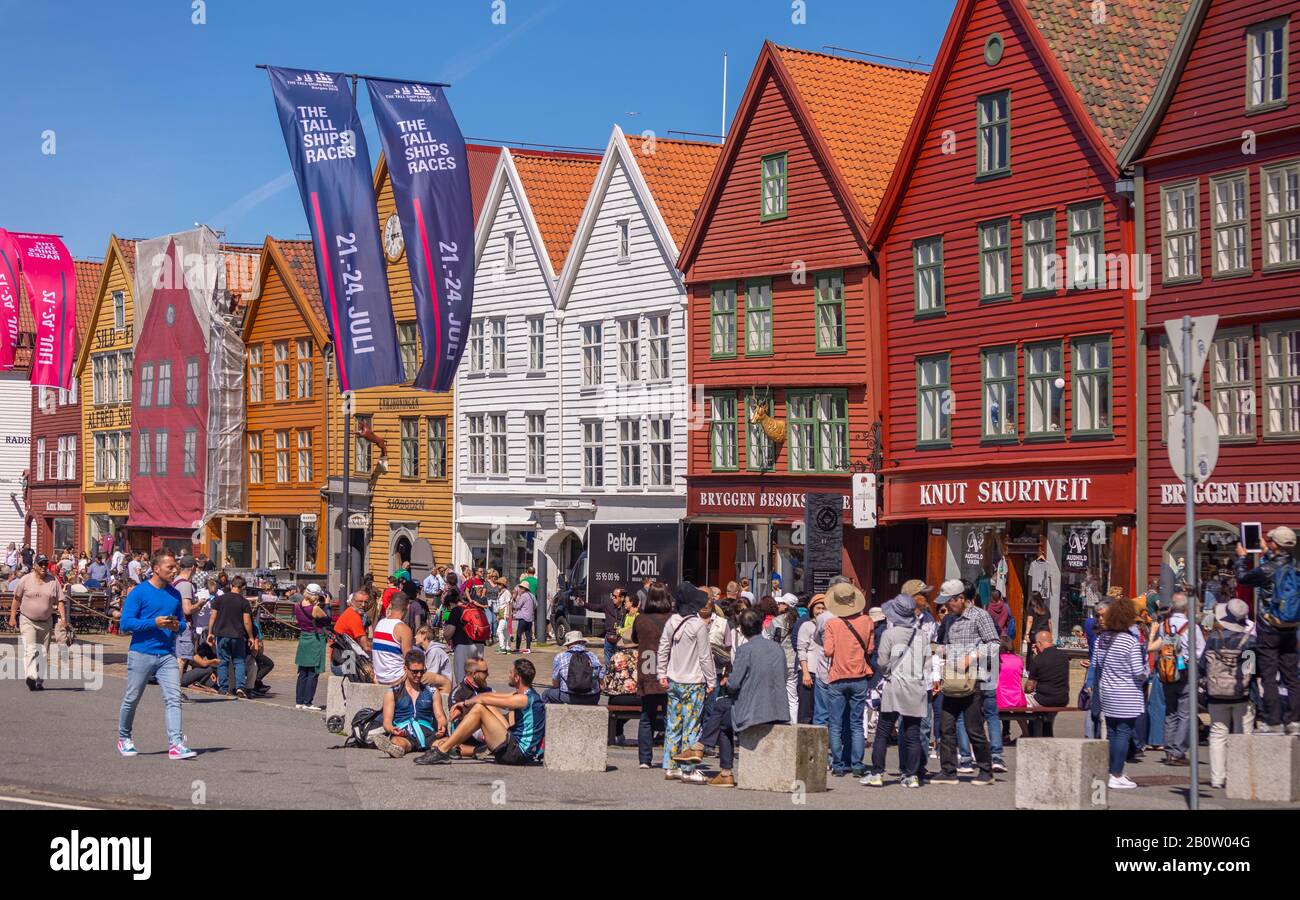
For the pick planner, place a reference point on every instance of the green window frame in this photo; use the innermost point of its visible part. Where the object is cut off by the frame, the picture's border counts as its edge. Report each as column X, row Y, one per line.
column 1171, row 388
column 1267, row 64
column 1180, row 232
column 828, row 314
column 933, row 401
column 1231, row 384
column 993, row 124
column 1279, row 190
column 1042, row 268
column 817, row 431
column 995, row 259
column 772, row 194
column 437, row 448
column 1280, row 355
column 927, row 276
column 998, row 379
column 1093, row 385
column 1044, row 401
column 724, row 428
column 758, row 317
column 722, row 321
column 1085, row 264
column 1230, row 224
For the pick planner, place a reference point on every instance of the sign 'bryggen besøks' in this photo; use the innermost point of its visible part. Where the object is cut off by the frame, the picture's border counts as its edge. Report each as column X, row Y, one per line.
column 332, row 166
column 426, row 164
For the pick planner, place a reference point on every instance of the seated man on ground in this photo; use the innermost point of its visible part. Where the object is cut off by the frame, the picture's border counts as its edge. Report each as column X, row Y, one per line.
column 473, row 684
column 202, row 669
column 575, row 674
column 513, row 725
column 436, row 659
column 413, row 713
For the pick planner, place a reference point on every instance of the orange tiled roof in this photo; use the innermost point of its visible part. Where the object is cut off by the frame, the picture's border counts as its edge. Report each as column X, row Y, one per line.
column 677, row 173
column 863, row 111
column 128, row 254
column 302, row 269
column 557, row 186
column 1114, row 66
column 241, row 273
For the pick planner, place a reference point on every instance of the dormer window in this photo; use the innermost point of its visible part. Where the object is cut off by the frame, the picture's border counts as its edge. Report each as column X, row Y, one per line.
column 1266, row 65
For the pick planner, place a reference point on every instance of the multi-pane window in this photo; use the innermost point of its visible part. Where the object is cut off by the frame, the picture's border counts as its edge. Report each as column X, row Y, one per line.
column 304, row 455
column 760, row 451
column 801, row 433
column 1281, row 364
column 1044, row 389
column 536, row 343
column 437, row 447
column 933, row 400
column 410, row 447
column 497, row 344
column 817, row 431
column 661, row 451
column 191, row 382
column 1085, row 264
column 476, row 345
column 629, row 452
column 593, row 454
column 994, row 111
column 361, row 447
column 758, row 318
column 408, row 346
column 255, row 373
column 1232, row 384
column 125, row 360
column 190, row 448
column 477, row 444
column 624, row 240
column 774, row 186
column 1092, row 385
column 160, row 452
column 1281, row 189
column 254, row 457
column 1181, row 227
column 67, row 470
column 146, row 385
column 119, row 309
column 496, row 432
column 306, row 366
column 40, row 459
column 1171, row 387
column 722, row 431
column 722, row 321
column 164, row 383
column 1230, row 214
column 829, row 303
column 657, row 346
column 998, row 367
column 1040, row 252
column 629, row 350
column 143, row 456
column 112, row 378
column 927, row 274
column 282, row 457
column 592, row 356
column 1266, row 64
column 281, row 370
column 536, row 430
column 995, row 260
column 97, row 380
column 112, row 456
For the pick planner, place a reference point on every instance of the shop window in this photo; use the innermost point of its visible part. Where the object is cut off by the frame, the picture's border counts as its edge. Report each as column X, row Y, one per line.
column 1076, row 577
column 1180, row 225
column 1232, row 385
column 1092, row 385
column 1044, row 390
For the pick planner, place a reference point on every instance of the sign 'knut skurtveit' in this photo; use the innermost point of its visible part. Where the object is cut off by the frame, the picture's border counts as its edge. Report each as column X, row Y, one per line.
column 1007, row 490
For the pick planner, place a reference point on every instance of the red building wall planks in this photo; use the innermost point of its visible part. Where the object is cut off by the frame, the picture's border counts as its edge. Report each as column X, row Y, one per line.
column 1053, row 165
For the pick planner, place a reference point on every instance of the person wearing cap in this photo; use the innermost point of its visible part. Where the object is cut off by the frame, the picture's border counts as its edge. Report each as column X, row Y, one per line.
column 575, row 646
column 685, row 665
column 524, row 609
column 847, row 644
column 312, row 618
column 781, row 631
column 36, row 597
column 1228, row 670
column 1275, row 640
column 970, row 647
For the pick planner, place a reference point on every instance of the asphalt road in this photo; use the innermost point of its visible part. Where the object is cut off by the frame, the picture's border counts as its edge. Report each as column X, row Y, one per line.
column 58, row 749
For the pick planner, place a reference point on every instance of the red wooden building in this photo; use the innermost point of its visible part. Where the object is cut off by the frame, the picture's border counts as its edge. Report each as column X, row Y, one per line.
column 1007, row 239
column 783, row 313
column 1217, row 163
column 54, row 504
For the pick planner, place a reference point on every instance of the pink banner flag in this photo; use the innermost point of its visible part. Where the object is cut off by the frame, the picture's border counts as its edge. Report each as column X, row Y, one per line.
column 51, row 284
column 9, row 291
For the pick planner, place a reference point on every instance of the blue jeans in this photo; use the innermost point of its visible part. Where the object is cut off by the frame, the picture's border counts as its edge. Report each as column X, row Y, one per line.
column 1119, row 732
column 1155, row 712
column 994, row 723
column 611, row 647
column 851, row 695
column 140, row 667
column 230, row 650
column 821, row 708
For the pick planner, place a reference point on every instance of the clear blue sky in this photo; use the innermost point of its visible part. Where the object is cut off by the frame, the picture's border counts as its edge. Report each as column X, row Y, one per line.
column 161, row 123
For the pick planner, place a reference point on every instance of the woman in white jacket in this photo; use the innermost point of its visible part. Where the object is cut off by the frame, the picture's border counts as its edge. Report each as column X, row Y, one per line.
column 685, row 667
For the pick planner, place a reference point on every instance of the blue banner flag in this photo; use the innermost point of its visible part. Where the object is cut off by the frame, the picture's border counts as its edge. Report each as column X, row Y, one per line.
column 328, row 150
column 427, row 166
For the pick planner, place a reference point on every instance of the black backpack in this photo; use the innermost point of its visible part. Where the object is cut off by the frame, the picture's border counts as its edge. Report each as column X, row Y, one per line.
column 580, row 680
column 363, row 722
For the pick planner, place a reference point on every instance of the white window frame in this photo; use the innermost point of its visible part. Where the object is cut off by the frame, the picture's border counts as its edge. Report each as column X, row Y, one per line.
column 536, row 343
column 1230, row 227
column 282, row 456
column 255, row 373
column 630, row 473
column 1286, row 221
column 254, row 457
column 1180, row 229
column 661, row 451
column 306, row 367
column 629, row 349
column 280, row 349
column 535, row 426
column 593, row 453
column 593, row 339
column 305, row 455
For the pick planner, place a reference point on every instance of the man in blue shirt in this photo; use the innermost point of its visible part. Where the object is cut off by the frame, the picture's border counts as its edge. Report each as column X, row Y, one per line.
column 561, row 690
column 152, row 614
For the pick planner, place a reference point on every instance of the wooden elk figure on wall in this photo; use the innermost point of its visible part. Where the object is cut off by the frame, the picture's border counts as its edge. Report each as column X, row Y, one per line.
column 773, row 428
column 365, row 432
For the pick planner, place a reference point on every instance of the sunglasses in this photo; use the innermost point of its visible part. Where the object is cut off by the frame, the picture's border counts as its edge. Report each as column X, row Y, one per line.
column 416, row 671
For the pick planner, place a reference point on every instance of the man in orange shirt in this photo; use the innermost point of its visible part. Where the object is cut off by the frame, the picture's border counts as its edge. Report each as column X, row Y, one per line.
column 847, row 644
column 352, row 624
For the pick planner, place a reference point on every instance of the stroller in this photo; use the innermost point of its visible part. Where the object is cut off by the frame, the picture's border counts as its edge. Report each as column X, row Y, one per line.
column 349, row 657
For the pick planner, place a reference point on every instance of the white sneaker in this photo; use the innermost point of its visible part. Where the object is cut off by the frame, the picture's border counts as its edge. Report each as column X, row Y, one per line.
column 1120, row 783
column 672, row 774
column 696, row 777
column 126, row 747
column 180, row 751
column 299, row 706
column 965, row 769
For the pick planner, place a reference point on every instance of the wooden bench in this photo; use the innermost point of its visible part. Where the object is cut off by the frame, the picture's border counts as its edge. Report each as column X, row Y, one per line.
column 1036, row 719
column 624, row 708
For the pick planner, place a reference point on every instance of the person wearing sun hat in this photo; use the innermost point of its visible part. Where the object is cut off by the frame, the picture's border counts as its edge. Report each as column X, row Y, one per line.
column 847, row 645
column 1226, row 647
column 1276, row 650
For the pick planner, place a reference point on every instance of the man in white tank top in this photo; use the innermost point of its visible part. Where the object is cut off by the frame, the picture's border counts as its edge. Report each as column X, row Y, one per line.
column 391, row 642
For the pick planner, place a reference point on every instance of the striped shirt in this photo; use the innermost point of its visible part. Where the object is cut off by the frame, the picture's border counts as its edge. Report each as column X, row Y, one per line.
column 386, row 652
column 1123, row 672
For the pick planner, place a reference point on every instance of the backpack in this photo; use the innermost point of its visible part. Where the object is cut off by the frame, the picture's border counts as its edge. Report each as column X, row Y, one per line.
column 1225, row 670
column 1168, row 662
column 475, row 623
column 1284, row 607
column 363, row 722
column 580, row 680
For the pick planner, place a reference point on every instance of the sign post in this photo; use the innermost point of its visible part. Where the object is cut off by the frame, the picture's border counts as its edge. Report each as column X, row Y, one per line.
column 345, row 587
